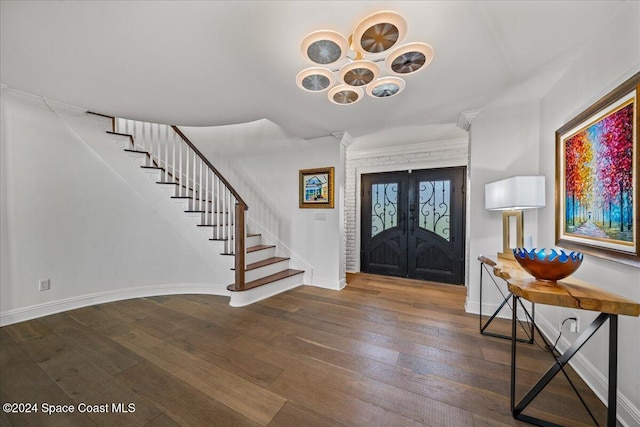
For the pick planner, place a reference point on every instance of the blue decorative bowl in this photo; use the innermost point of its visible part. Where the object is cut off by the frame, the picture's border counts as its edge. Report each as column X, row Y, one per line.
column 548, row 264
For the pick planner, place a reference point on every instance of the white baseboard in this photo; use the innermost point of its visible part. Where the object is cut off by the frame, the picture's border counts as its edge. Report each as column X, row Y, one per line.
column 335, row 285
column 53, row 307
column 473, row 307
column 628, row 413
column 244, row 298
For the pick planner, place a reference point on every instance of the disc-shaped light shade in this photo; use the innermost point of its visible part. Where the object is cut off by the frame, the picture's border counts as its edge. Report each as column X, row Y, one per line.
column 345, row 95
column 386, row 87
column 409, row 58
column 359, row 73
column 379, row 32
column 324, row 47
column 315, row 79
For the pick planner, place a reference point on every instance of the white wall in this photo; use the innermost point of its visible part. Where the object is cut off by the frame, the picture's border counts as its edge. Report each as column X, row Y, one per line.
column 608, row 61
column 503, row 143
column 262, row 163
column 519, row 140
column 67, row 216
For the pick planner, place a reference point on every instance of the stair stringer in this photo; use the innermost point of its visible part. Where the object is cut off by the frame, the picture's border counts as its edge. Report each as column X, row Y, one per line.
column 109, row 148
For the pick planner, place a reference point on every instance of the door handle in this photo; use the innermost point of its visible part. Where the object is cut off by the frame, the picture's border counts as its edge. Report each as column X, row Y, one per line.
column 412, row 218
column 403, row 221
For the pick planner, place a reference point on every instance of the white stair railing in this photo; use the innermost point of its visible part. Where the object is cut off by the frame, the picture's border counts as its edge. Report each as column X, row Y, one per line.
column 181, row 164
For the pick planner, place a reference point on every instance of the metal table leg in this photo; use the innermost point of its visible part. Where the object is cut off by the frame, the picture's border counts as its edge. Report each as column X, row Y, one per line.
column 612, row 399
column 505, row 300
column 517, row 408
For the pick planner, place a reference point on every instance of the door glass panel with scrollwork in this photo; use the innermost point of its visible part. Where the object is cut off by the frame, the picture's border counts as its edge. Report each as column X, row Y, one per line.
column 384, row 207
column 434, row 208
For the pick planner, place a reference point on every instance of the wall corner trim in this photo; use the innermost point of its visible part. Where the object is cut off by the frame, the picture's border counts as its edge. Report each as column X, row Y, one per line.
column 466, row 117
column 345, row 138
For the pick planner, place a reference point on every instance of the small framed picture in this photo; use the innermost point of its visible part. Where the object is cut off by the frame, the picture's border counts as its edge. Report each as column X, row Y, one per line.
column 316, row 188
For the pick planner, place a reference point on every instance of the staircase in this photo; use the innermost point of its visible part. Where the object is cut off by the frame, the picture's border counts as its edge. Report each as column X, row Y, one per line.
column 167, row 156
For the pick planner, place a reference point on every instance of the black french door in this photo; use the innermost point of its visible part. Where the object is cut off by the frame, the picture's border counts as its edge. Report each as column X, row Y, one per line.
column 412, row 224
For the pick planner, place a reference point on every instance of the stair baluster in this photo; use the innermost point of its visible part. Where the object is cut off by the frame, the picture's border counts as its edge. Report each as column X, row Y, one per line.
column 180, row 162
column 174, row 161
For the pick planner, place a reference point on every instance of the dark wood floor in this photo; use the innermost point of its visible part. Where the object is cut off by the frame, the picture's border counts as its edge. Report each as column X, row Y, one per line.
column 381, row 352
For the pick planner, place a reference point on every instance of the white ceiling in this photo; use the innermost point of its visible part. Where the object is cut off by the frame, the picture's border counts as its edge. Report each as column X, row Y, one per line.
column 218, row 62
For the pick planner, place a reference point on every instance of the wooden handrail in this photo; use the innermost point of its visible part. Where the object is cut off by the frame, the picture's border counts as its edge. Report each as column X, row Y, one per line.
column 193, row 147
column 208, row 163
column 241, row 207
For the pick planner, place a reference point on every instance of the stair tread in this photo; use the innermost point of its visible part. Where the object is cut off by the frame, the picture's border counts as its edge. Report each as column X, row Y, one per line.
column 152, row 167
column 259, row 248
column 224, row 240
column 136, row 151
column 265, row 262
column 167, row 183
column 213, row 225
column 101, row 115
column 191, row 197
column 266, row 280
column 120, row 134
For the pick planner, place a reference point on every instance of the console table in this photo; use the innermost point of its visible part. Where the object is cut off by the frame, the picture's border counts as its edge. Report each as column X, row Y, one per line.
column 571, row 293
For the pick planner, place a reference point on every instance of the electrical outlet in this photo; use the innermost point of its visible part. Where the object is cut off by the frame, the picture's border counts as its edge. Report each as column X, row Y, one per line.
column 575, row 326
column 571, row 323
column 44, row 285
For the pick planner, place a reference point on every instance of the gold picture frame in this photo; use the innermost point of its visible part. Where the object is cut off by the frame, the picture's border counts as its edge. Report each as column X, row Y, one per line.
column 316, row 188
column 597, row 177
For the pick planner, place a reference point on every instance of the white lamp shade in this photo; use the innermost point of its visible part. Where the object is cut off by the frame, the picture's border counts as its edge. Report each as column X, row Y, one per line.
column 515, row 193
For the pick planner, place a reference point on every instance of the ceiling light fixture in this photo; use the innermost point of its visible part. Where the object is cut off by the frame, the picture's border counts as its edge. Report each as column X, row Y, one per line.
column 315, row 79
column 359, row 73
column 325, row 47
column 345, row 94
column 386, row 87
column 375, row 39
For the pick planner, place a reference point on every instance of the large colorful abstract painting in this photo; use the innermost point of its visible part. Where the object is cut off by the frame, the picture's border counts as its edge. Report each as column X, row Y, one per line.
column 597, row 177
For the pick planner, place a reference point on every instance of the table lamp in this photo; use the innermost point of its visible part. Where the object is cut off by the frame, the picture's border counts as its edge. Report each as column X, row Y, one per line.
column 512, row 196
